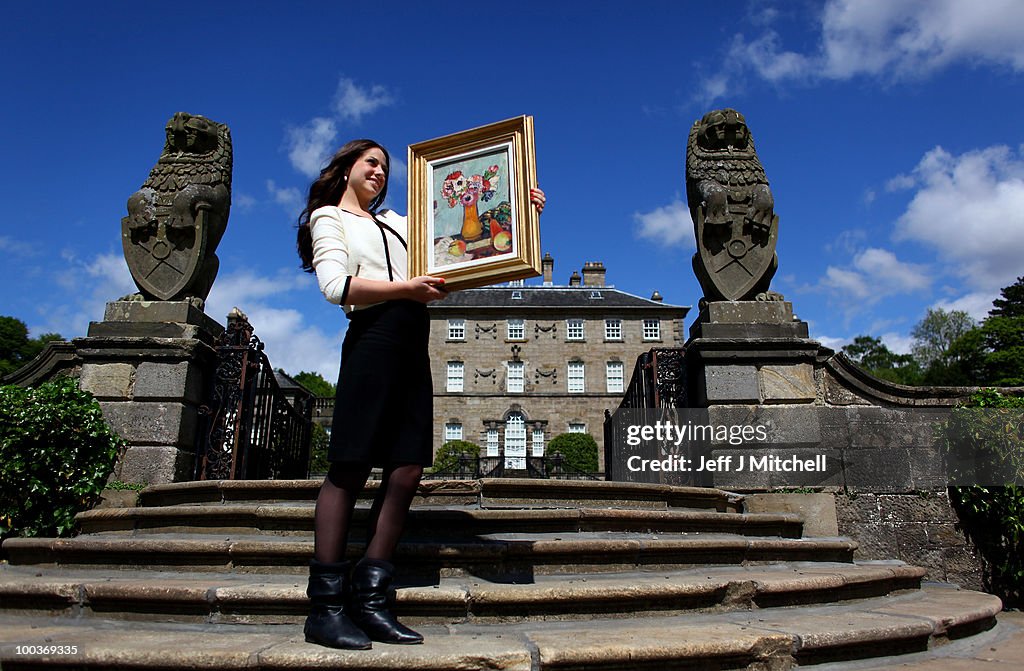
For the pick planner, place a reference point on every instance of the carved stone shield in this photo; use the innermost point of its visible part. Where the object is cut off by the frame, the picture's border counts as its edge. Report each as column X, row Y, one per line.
column 736, row 258
column 163, row 249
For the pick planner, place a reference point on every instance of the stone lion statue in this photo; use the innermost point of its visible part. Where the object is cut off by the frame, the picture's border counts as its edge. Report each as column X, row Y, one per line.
column 176, row 220
column 732, row 208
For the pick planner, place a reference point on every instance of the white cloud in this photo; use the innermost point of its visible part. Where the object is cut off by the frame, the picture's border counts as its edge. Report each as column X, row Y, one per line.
column 970, row 209
column 88, row 285
column 667, row 225
column 311, row 144
column 290, row 342
column 898, row 343
column 874, row 274
column 910, row 37
column 352, row 102
column 977, row 303
column 17, row 247
column 289, row 198
column 892, row 39
column 900, row 183
column 832, row 342
column 243, row 201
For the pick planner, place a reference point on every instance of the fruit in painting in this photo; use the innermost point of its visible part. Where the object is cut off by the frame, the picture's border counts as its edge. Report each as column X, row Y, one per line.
column 503, row 241
column 457, row 248
column 495, row 228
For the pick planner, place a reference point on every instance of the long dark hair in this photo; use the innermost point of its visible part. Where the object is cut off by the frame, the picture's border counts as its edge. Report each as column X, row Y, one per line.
column 329, row 187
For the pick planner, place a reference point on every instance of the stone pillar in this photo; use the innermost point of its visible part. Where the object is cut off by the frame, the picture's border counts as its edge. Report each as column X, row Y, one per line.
column 147, row 364
column 752, row 363
column 751, row 352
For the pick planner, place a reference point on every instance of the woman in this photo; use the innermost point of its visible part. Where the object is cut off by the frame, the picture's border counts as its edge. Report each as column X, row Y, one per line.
column 383, row 408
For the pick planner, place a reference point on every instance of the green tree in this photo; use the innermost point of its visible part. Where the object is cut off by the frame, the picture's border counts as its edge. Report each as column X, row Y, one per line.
column 1012, row 302
column 1003, row 336
column 16, row 348
column 578, row 449
column 447, row 457
column 993, row 354
column 872, row 355
column 935, row 334
column 315, row 383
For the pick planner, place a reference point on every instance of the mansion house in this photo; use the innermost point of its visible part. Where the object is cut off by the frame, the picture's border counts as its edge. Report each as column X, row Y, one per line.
column 514, row 366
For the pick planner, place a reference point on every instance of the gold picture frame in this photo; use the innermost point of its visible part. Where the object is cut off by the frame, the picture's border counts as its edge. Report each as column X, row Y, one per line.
column 470, row 217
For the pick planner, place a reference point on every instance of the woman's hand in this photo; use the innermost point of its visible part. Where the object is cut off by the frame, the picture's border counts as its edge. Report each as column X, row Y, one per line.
column 425, row 288
column 538, row 199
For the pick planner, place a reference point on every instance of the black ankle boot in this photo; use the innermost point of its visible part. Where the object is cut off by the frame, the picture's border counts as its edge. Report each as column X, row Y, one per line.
column 327, row 623
column 371, row 579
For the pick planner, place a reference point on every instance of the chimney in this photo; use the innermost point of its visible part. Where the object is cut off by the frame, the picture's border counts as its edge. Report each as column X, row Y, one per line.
column 574, row 279
column 547, row 264
column 593, row 274
column 656, row 296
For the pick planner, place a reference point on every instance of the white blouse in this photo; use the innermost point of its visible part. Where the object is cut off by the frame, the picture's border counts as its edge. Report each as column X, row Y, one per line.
column 346, row 245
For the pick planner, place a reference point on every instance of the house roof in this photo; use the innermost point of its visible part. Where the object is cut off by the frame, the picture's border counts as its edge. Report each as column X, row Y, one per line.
column 541, row 297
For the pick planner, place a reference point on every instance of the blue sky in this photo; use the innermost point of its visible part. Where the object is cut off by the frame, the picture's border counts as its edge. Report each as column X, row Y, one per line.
column 890, row 132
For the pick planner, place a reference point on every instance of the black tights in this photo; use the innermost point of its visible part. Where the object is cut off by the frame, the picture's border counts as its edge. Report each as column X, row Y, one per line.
column 337, row 498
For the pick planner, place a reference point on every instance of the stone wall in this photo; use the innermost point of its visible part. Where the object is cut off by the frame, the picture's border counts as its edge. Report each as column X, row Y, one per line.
column 146, row 365
column 919, row 528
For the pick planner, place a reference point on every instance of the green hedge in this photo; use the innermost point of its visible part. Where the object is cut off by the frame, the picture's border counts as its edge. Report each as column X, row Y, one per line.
column 56, row 453
column 993, row 517
column 447, row 457
column 578, row 449
column 318, row 442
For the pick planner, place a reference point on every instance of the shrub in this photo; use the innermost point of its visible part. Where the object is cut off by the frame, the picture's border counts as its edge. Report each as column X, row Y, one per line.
column 993, row 516
column 318, row 442
column 578, row 449
column 447, row 457
column 56, row 453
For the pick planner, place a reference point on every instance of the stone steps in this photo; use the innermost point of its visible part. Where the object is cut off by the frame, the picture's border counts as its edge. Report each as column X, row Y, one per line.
column 772, row 639
column 281, row 598
column 485, row 493
column 498, row 574
column 433, row 522
column 514, row 557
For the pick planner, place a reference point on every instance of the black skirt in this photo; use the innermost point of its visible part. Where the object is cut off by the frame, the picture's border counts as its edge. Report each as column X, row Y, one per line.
column 383, row 410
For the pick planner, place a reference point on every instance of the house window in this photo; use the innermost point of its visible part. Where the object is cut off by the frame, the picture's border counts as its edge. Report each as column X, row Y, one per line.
column 492, row 442
column 652, row 329
column 516, row 329
column 514, row 380
column 613, row 376
column 575, row 377
column 456, row 329
column 452, row 431
column 577, row 427
column 515, row 441
column 613, row 329
column 455, row 370
column 537, row 444
column 574, row 329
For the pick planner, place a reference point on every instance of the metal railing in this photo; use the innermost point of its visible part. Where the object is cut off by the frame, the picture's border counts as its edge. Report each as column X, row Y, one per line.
column 474, row 468
column 248, row 429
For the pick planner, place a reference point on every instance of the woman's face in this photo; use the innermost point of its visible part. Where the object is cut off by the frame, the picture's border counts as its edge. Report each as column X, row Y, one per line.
column 368, row 174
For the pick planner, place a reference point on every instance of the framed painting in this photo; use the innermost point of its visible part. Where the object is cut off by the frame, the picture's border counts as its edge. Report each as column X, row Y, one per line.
column 470, row 217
